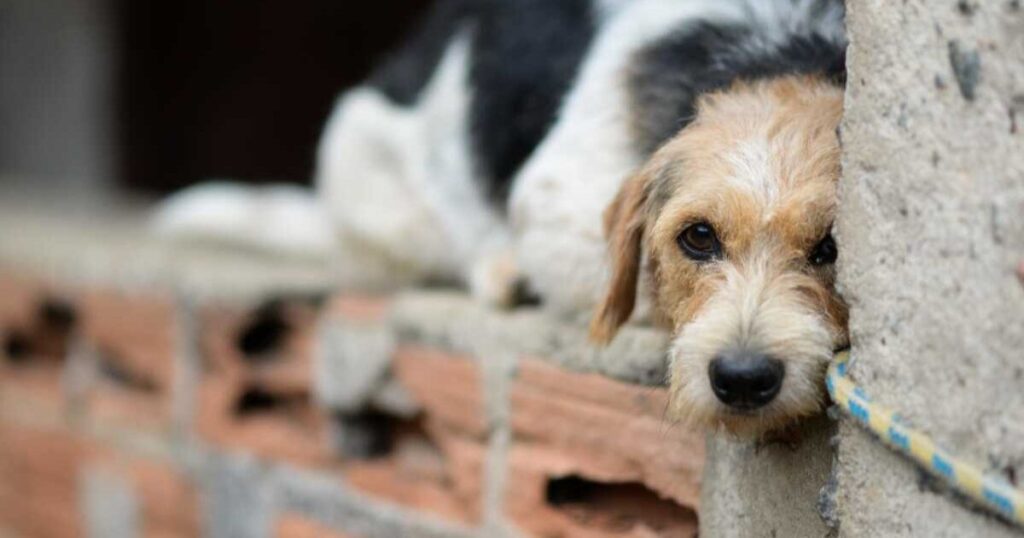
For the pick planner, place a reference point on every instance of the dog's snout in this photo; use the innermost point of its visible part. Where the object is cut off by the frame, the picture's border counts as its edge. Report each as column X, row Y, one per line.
column 745, row 380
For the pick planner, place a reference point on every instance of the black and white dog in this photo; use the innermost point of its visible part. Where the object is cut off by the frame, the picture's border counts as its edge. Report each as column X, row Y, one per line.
column 487, row 149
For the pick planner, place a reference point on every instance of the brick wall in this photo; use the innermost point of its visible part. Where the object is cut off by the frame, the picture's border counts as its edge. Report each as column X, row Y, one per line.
column 143, row 397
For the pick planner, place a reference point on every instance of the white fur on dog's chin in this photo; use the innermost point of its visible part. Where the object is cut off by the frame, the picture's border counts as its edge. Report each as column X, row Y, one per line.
column 760, row 311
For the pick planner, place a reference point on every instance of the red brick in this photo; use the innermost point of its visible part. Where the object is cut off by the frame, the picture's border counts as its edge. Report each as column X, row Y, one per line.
column 39, row 480
column 447, row 385
column 19, row 297
column 297, row 526
column 132, row 333
column 36, row 383
column 135, row 330
column 38, row 371
column 134, row 337
column 365, row 308
column 609, row 508
column 604, row 431
column 436, row 465
column 287, row 367
column 438, row 471
column 40, row 473
column 169, row 500
column 22, row 300
column 289, row 427
column 296, row 431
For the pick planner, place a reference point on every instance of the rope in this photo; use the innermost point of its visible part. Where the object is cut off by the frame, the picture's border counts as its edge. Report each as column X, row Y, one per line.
column 989, row 491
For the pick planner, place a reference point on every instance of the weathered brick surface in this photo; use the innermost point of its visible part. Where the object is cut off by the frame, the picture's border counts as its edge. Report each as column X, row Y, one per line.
column 254, row 393
column 297, row 526
column 132, row 338
column 448, row 385
column 126, row 339
column 19, row 297
column 169, row 499
column 587, row 456
column 436, row 464
column 606, row 429
column 614, row 438
column 366, row 308
column 39, row 480
column 44, row 459
column 33, row 349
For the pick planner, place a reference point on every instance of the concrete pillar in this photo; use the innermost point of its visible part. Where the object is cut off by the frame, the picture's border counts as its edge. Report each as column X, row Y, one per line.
column 931, row 231
column 768, row 491
column 56, row 93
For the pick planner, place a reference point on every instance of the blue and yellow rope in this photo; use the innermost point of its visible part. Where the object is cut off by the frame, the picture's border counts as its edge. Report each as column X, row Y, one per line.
column 989, row 491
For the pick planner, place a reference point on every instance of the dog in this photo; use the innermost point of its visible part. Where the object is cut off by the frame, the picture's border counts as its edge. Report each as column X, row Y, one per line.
column 732, row 217
column 486, row 150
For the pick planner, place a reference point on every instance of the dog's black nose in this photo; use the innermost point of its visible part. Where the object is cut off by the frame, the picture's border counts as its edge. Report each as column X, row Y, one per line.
column 746, row 380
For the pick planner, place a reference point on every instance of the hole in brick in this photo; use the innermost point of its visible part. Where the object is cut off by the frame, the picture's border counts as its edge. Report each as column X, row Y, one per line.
column 47, row 335
column 117, row 373
column 399, row 459
column 256, row 400
column 523, row 295
column 265, row 333
column 369, row 434
column 619, row 506
column 57, row 314
column 17, row 347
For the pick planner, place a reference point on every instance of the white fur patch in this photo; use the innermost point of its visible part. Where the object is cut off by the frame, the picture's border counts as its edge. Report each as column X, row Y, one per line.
column 559, row 196
column 280, row 219
column 561, row 192
column 750, row 161
column 400, row 179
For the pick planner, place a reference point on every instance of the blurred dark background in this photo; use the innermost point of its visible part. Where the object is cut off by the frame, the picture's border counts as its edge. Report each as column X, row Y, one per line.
column 155, row 95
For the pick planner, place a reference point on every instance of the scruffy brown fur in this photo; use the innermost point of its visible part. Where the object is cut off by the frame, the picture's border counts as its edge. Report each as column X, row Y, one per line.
column 759, row 163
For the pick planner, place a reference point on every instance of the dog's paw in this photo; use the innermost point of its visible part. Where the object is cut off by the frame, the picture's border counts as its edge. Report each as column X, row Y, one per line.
column 495, row 280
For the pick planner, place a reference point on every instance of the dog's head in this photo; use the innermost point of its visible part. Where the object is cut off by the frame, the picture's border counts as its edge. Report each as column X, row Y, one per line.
column 731, row 220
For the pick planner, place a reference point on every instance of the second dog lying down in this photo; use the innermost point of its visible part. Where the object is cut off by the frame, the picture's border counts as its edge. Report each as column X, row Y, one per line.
column 488, row 149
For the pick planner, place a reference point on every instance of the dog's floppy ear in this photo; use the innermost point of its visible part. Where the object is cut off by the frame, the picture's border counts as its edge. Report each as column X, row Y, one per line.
column 624, row 229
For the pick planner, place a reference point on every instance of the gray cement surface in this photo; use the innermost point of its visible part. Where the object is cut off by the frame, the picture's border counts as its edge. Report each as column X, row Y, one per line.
column 931, row 229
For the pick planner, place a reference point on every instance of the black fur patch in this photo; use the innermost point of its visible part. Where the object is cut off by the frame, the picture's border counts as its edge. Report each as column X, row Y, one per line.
column 525, row 56
column 668, row 76
column 404, row 74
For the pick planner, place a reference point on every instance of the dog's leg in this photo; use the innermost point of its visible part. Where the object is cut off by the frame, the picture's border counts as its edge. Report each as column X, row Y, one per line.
column 370, row 153
column 561, row 192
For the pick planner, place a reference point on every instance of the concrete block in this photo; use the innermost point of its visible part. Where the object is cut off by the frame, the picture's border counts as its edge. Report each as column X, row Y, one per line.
column 770, row 491
column 353, row 352
column 931, row 231
column 238, row 497
column 109, row 505
column 454, row 321
column 337, row 507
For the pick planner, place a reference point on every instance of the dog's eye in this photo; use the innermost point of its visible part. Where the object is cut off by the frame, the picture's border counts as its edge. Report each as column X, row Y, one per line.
column 699, row 242
column 824, row 252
